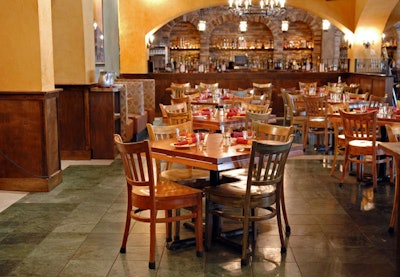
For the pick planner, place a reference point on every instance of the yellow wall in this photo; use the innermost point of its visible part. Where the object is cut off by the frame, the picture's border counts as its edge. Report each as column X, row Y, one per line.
column 74, row 58
column 26, row 49
column 140, row 17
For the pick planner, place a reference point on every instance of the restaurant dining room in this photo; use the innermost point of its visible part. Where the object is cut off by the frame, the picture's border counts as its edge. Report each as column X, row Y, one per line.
column 201, row 138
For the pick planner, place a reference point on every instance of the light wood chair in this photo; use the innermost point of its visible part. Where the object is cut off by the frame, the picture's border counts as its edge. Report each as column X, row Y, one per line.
column 305, row 86
column 375, row 101
column 252, row 118
column 178, row 90
column 144, row 194
column 393, row 133
column 263, row 91
column 358, row 96
column 296, row 112
column 360, row 130
column 186, row 175
column 178, row 117
column 239, row 201
column 177, row 108
column 317, row 121
column 336, row 123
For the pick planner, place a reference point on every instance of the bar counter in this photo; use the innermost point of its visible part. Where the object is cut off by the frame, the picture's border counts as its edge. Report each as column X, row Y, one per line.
column 377, row 84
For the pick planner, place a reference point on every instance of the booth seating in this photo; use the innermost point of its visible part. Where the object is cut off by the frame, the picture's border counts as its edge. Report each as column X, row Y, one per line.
column 137, row 103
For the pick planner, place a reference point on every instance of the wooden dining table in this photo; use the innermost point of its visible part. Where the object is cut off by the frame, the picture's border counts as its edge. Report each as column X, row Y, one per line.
column 393, row 149
column 216, row 157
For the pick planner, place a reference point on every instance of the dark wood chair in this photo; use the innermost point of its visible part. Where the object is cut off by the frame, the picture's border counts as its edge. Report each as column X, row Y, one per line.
column 239, row 200
column 143, row 196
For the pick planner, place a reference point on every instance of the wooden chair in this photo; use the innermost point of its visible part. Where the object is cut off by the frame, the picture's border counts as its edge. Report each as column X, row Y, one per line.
column 169, row 173
column 263, row 91
column 360, row 130
column 357, row 97
column 185, row 99
column 143, row 196
column 305, row 86
column 393, row 133
column 252, row 117
column 375, row 101
column 339, row 140
column 211, row 87
column 178, row 117
column 177, row 108
column 296, row 112
column 262, row 190
column 178, row 90
column 317, row 121
column 285, row 107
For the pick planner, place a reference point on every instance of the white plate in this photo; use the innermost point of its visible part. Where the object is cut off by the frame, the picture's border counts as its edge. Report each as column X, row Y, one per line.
column 200, row 116
column 183, row 146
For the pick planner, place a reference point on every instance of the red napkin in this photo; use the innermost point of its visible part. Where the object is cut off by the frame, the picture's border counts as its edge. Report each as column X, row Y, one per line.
column 195, row 114
column 237, row 135
column 242, row 141
column 230, row 114
column 234, row 110
column 182, row 142
column 205, row 112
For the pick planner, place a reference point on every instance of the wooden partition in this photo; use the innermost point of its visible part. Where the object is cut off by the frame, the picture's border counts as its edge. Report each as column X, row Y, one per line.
column 374, row 83
column 29, row 141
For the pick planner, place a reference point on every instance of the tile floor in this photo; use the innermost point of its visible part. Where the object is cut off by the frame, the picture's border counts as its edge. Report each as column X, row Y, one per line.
column 76, row 230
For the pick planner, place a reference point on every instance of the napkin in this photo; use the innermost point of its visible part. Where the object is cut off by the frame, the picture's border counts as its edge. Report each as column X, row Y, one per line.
column 237, row 134
column 182, row 142
column 241, row 140
column 230, row 114
column 205, row 112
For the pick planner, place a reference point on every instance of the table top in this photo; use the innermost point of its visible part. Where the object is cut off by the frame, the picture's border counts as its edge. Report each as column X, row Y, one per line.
column 391, row 148
column 216, row 157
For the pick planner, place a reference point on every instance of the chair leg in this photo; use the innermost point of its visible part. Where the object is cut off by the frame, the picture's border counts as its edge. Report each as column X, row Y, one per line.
column 209, row 226
column 374, row 172
column 283, row 205
column 168, row 231
column 305, row 138
column 152, row 255
column 245, row 240
column 199, row 227
column 335, row 154
column 345, row 162
column 279, row 220
column 177, row 226
column 395, row 204
column 126, row 232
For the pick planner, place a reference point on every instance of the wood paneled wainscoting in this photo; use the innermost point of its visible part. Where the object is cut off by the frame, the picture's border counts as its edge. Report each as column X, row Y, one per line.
column 74, row 114
column 376, row 84
column 29, row 141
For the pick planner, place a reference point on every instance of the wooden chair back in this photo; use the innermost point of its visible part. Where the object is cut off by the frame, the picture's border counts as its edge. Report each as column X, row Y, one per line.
column 265, row 131
column 178, row 89
column 251, row 118
column 173, row 108
column 375, row 101
column 316, row 106
column 359, row 126
column 178, row 117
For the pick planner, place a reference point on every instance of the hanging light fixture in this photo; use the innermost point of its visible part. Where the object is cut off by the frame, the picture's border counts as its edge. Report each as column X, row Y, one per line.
column 265, row 7
column 326, row 24
column 243, row 26
column 285, row 25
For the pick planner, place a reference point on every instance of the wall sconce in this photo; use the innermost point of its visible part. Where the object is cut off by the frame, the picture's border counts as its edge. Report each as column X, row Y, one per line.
column 285, row 25
column 367, row 44
column 243, row 26
column 326, row 24
column 202, row 25
column 150, row 40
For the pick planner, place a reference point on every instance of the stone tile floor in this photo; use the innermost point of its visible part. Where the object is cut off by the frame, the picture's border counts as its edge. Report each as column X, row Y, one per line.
column 76, row 230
